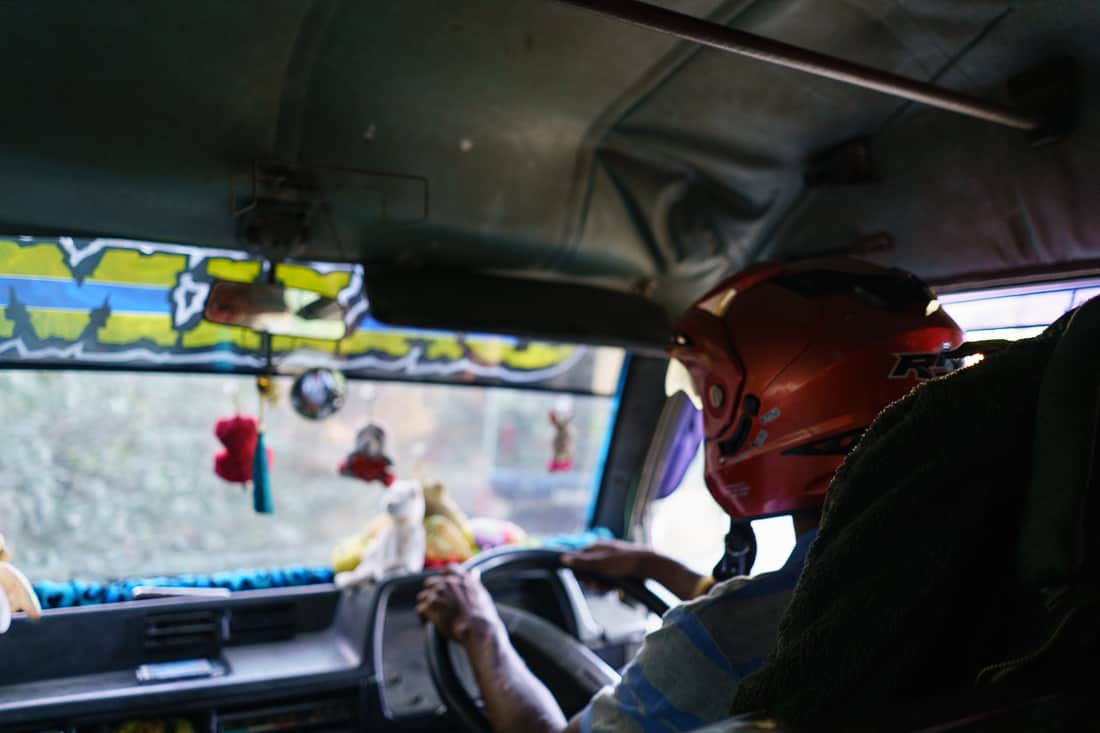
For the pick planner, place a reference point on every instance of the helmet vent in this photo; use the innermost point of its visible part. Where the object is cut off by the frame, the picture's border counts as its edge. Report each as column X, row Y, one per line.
column 834, row 445
column 892, row 290
column 728, row 447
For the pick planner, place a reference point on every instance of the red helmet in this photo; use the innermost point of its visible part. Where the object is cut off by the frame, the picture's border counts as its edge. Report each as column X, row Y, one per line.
column 790, row 363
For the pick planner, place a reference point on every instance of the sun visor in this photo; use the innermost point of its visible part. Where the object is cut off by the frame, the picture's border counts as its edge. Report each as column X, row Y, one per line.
column 472, row 302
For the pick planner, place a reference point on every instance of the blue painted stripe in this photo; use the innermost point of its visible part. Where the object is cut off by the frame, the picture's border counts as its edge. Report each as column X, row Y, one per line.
column 651, row 710
column 68, row 295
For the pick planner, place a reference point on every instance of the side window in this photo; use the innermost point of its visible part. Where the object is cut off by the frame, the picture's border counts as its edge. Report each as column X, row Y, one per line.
column 1016, row 312
column 689, row 526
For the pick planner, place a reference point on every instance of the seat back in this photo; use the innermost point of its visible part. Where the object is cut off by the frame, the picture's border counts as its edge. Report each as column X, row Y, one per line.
column 1058, row 554
column 1059, row 538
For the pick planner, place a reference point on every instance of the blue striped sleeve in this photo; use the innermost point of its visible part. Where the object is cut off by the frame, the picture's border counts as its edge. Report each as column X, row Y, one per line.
column 687, row 671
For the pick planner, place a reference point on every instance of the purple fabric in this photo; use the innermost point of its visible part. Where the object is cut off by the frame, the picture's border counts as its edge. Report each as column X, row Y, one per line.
column 685, row 444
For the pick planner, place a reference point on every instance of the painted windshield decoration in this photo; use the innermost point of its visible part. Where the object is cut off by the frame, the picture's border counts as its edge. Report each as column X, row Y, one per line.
column 135, row 305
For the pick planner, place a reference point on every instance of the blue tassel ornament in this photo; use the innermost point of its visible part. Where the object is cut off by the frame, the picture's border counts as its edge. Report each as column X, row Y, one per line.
column 261, row 483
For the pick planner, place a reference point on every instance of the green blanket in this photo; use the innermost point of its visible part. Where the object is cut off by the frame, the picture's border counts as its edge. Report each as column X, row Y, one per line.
column 904, row 594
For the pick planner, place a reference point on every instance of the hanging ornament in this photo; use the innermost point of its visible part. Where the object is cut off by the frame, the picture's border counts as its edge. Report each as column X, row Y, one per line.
column 240, row 436
column 318, row 393
column 268, row 389
column 246, row 459
column 261, row 485
column 369, row 462
column 563, row 443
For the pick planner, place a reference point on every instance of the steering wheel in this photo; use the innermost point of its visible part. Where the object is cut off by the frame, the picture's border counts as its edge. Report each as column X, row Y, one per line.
column 582, row 670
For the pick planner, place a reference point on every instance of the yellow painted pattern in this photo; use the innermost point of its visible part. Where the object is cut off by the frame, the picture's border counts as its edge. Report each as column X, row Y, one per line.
column 128, row 328
column 160, row 269
column 437, row 348
column 50, row 323
column 533, row 356
column 298, row 276
column 207, row 334
column 488, row 352
column 443, row 349
column 281, row 344
column 131, row 267
column 388, row 343
column 235, row 270
column 538, row 355
column 39, row 260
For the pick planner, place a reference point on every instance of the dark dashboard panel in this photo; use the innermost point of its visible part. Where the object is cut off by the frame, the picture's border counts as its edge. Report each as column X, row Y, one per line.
column 287, row 659
column 97, row 639
column 331, row 670
column 77, row 669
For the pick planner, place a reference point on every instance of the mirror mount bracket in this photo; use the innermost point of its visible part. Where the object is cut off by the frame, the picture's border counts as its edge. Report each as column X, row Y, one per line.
column 276, row 221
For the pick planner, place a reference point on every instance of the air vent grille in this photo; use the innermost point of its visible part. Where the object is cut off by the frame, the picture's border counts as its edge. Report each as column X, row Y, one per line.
column 184, row 633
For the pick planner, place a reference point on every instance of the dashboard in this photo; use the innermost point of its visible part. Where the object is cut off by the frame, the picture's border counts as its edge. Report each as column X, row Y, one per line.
column 304, row 659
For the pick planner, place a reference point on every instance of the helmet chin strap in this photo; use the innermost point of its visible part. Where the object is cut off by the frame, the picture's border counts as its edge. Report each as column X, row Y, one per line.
column 740, row 551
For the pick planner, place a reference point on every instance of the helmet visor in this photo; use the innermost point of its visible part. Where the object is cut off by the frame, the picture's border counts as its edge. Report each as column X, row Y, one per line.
column 678, row 379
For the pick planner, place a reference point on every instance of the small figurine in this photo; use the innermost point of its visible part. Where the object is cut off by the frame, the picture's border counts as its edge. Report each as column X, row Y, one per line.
column 395, row 543
column 369, row 462
column 239, row 435
column 438, row 501
column 490, row 533
column 245, row 459
column 446, row 543
column 447, row 536
column 16, row 593
column 450, row 536
column 562, row 458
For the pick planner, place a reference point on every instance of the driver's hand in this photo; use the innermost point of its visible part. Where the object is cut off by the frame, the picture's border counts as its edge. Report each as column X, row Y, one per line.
column 617, row 559
column 611, row 558
column 459, row 606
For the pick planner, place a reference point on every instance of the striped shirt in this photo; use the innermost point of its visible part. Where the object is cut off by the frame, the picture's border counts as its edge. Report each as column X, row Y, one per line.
column 687, row 672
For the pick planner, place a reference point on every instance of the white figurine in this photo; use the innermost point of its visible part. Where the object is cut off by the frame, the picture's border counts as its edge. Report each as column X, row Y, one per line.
column 399, row 544
column 16, row 593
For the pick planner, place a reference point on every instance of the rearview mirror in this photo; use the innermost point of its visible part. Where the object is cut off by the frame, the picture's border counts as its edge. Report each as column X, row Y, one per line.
column 276, row 310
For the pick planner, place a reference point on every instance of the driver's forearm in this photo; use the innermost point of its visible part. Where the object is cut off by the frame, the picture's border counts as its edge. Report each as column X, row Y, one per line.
column 515, row 700
column 679, row 579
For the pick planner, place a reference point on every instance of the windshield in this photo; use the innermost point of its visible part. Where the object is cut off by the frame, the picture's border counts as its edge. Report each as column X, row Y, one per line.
column 110, row 475
column 112, row 382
